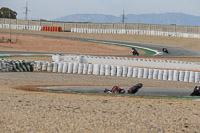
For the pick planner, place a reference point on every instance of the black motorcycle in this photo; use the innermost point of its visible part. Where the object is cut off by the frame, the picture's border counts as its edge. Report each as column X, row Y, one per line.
column 196, row 91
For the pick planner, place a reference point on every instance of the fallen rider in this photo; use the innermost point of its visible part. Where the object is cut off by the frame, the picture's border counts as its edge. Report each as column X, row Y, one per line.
column 119, row 90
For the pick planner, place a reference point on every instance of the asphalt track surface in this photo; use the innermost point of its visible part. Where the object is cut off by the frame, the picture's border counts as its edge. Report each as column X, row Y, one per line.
column 173, row 52
column 180, row 92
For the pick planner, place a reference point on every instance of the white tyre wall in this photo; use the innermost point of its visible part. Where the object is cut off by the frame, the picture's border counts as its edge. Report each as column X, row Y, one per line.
column 70, row 67
column 102, row 70
column 85, row 68
column 80, row 68
column 176, row 75
column 140, row 72
column 151, row 71
column 60, row 67
column 96, row 69
column 113, row 70
column 44, row 66
column 165, row 75
column 124, row 71
column 187, row 76
column 39, row 66
column 130, row 72
column 197, row 77
column 181, row 75
column 146, row 73
column 135, row 72
column 119, row 71
column 0, row 65
column 160, row 74
column 49, row 67
column 55, row 67
column 65, row 67
column 170, row 75
column 90, row 68
column 192, row 76
column 155, row 74
column 107, row 70
column 75, row 68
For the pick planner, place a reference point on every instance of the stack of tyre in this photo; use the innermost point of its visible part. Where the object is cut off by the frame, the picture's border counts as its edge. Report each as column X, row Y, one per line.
column 16, row 65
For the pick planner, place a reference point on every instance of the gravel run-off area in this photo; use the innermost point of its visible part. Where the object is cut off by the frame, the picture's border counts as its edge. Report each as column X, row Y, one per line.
column 25, row 110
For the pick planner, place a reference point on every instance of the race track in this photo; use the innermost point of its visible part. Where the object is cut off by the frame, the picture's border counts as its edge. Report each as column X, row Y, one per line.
column 173, row 52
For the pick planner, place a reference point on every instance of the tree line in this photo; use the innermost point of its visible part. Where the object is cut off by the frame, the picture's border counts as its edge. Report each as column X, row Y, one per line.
column 7, row 13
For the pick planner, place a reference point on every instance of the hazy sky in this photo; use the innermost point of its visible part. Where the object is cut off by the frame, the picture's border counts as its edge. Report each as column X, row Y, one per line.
column 51, row 9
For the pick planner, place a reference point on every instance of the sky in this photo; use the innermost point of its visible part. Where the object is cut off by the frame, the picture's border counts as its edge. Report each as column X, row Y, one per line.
column 52, row 9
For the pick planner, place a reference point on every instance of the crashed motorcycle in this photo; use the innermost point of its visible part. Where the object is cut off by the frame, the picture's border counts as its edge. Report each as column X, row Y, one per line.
column 118, row 90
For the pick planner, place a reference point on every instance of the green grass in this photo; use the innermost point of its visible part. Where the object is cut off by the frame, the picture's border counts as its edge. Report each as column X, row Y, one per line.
column 147, row 52
column 125, row 95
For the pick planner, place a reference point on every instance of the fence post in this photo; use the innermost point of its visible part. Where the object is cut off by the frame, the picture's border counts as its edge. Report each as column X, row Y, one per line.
column 63, row 27
column 28, row 24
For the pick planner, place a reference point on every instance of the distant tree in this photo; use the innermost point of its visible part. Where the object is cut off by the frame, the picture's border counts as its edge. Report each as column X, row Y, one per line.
column 7, row 13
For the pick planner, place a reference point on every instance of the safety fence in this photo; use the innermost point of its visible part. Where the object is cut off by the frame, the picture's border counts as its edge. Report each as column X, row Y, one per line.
column 16, row 65
column 125, row 61
column 137, row 32
column 21, row 27
column 119, row 71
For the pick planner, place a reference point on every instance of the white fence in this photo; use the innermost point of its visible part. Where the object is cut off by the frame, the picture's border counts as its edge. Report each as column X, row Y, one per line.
column 137, row 32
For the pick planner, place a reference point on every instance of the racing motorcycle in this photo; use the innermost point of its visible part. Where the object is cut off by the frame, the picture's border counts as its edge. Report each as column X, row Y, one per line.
column 118, row 90
column 196, row 91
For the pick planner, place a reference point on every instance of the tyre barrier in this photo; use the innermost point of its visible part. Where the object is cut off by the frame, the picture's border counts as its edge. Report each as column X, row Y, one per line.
column 119, row 71
column 21, row 27
column 135, row 72
column 51, row 28
column 132, row 31
column 134, row 62
column 97, row 69
column 65, row 67
column 130, row 72
column 107, row 70
column 124, row 71
column 17, row 65
column 113, row 70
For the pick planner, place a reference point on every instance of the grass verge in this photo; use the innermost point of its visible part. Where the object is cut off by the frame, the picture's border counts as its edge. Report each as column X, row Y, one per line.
column 124, row 95
column 147, row 52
